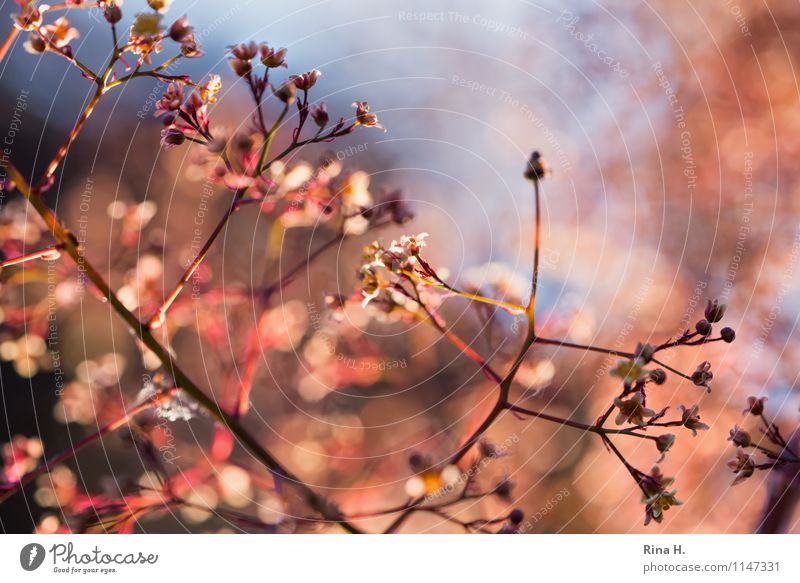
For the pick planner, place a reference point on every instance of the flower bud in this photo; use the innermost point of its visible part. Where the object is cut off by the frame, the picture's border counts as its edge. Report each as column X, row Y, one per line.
column 172, row 137
column 112, row 13
column 516, row 516
column 537, row 168
column 665, row 442
column 658, row 376
column 180, row 30
column 714, row 311
column 703, row 327
column 728, row 335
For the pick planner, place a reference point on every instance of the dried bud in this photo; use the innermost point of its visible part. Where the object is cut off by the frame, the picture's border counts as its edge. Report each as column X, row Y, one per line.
column 537, row 168
column 740, row 437
column 714, row 311
column 728, row 335
column 658, row 376
column 755, row 405
column 703, row 327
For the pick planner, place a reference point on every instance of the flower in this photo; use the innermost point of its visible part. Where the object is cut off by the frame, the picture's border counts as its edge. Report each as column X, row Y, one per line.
column 171, row 404
column 35, row 44
column 743, row 466
column 319, row 113
column 209, row 90
column 632, row 410
column 306, row 81
column 30, row 15
column 20, row 456
column 630, row 371
column 370, row 285
column 691, row 419
column 145, row 35
column 364, row 117
column 60, row 33
column 655, row 495
column 171, row 101
column 702, row 375
column 159, row 5
column 755, row 405
column 241, row 55
column 272, row 58
column 740, row 437
column 413, row 244
column 182, row 33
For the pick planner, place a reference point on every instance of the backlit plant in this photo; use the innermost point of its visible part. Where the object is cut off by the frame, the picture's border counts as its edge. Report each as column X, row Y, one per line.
column 395, row 282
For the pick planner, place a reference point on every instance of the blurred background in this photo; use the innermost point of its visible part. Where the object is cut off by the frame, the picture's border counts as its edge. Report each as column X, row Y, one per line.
column 672, row 132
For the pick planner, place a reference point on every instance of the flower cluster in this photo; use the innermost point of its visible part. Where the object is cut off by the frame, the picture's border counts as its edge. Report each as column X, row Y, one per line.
column 776, row 450
column 187, row 119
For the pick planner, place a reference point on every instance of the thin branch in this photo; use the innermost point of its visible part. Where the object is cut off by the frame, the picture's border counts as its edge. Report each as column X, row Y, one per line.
column 61, row 457
column 48, row 254
column 182, row 380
